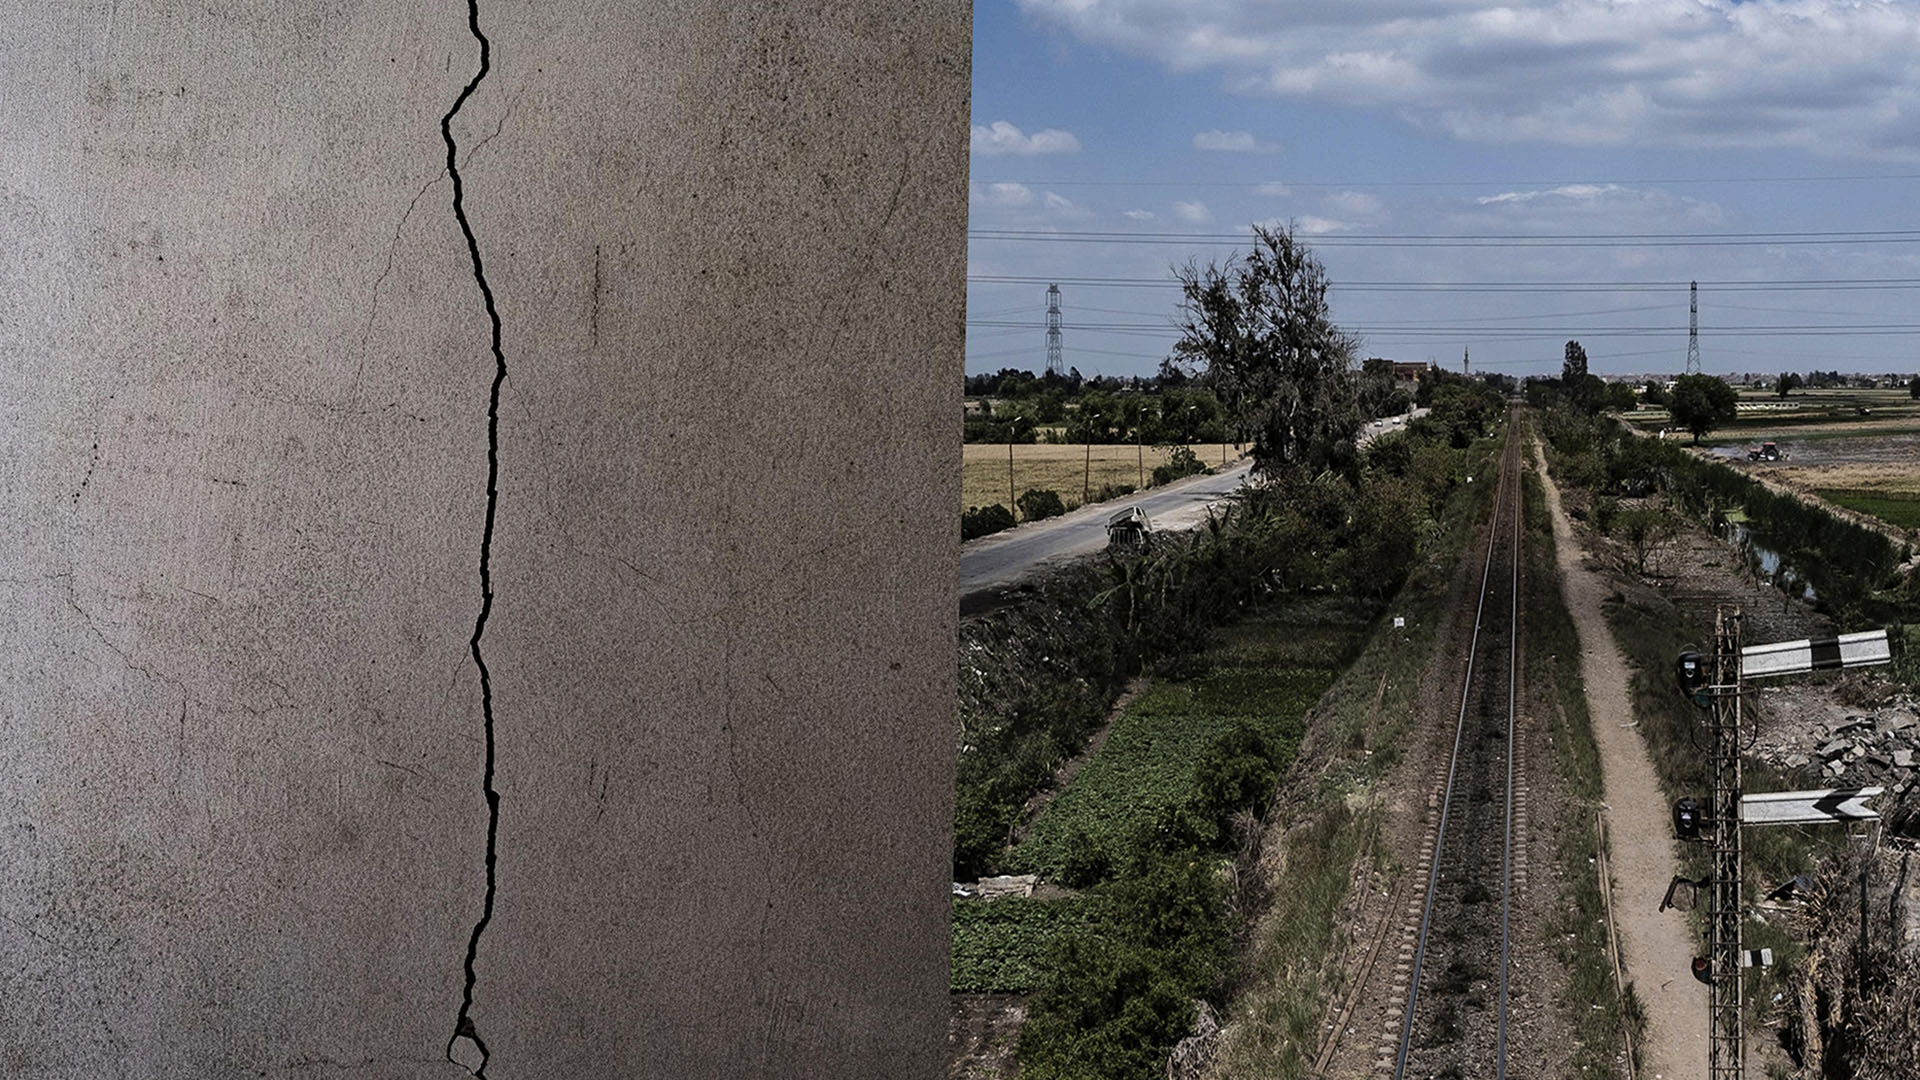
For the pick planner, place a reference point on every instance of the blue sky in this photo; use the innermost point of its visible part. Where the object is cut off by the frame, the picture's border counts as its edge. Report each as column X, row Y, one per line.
column 1412, row 142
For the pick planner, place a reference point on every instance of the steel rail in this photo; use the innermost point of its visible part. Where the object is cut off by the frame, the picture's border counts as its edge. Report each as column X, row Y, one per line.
column 1453, row 766
column 1513, row 683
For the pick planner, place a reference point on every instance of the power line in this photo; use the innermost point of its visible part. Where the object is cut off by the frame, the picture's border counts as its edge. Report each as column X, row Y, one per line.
column 1130, row 235
column 1830, row 238
column 1777, row 285
column 1438, row 327
column 1356, row 183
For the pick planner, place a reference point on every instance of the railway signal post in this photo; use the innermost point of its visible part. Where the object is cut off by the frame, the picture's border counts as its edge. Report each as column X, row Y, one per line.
column 1715, row 683
column 1726, row 1053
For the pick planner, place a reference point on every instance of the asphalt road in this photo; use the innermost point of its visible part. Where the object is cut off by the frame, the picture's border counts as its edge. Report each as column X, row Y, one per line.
column 1004, row 558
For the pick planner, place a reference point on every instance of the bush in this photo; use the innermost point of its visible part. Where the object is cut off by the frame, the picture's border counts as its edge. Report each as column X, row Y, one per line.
column 978, row 429
column 982, row 520
column 1237, row 772
column 1112, row 491
column 1113, row 1003
column 1605, row 509
column 1039, row 504
column 1108, row 1010
column 1087, row 861
column 982, row 820
column 1182, row 463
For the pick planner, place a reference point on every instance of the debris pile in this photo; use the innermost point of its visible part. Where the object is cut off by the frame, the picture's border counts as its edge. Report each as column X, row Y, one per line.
column 1881, row 748
column 1869, row 748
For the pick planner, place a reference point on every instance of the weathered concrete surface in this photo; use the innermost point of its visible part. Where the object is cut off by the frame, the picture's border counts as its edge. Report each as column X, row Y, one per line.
column 244, row 390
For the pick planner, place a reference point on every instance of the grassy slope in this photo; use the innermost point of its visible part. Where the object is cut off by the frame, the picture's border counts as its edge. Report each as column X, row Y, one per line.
column 1327, row 815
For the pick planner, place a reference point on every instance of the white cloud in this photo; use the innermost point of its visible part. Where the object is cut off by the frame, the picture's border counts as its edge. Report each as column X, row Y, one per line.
column 1273, row 189
column 1001, row 137
column 1599, row 207
column 1233, row 142
column 1570, row 192
column 1192, row 213
column 1139, row 215
column 1010, row 204
column 1001, row 196
column 1830, row 76
column 1317, row 226
column 1356, row 206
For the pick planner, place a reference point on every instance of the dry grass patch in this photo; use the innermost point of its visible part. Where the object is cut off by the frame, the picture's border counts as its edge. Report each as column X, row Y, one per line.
column 1894, row 479
column 1065, row 469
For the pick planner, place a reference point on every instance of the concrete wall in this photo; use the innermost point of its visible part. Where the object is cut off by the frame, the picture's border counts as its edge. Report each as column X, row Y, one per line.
column 245, row 382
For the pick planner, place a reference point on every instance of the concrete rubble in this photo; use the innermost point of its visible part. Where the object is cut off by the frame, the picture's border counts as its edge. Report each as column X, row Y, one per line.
column 1860, row 750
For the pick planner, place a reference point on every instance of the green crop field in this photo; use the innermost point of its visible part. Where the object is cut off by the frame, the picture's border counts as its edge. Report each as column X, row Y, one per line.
column 1899, row 509
column 1000, row 946
column 1268, row 671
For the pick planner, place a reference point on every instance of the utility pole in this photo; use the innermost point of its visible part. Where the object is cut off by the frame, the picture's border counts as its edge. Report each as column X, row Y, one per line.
column 1053, row 331
column 1693, row 328
column 1726, row 1055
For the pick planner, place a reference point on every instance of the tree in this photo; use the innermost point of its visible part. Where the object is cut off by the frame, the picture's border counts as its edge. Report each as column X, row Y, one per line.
column 1645, row 528
column 1913, row 387
column 1465, row 409
column 1188, row 416
column 1262, row 332
column 1573, row 369
column 1783, row 385
column 1702, row 402
column 1619, row 397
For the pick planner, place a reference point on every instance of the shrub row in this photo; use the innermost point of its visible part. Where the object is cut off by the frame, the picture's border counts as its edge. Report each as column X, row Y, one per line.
column 1844, row 562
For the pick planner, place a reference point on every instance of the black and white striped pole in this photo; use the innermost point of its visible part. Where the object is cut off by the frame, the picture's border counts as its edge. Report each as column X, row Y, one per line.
column 1863, row 649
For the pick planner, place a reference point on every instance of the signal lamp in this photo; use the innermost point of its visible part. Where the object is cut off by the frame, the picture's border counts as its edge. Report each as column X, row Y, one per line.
column 1692, row 669
column 1686, row 819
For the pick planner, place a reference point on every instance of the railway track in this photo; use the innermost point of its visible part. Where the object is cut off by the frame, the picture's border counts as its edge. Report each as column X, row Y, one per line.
column 1455, row 1019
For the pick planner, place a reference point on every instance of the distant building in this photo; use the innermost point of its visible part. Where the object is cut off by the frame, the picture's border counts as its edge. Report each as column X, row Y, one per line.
column 1405, row 374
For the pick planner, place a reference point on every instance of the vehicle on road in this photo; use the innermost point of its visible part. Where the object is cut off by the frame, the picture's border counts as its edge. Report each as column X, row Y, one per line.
column 1128, row 529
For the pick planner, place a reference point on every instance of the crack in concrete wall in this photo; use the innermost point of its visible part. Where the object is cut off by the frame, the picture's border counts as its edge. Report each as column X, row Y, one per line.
column 464, row 1030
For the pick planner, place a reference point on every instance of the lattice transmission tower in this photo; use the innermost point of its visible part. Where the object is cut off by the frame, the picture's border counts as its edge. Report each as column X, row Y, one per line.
column 1693, row 328
column 1053, row 330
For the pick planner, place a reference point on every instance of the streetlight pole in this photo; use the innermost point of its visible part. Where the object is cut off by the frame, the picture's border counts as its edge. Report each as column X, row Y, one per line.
column 1013, row 426
column 1009, row 466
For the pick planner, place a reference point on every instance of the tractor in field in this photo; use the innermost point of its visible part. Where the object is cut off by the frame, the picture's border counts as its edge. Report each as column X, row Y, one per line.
column 1766, row 451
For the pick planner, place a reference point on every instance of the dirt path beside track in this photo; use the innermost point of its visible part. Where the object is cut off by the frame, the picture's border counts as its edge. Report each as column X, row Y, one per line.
column 1655, row 946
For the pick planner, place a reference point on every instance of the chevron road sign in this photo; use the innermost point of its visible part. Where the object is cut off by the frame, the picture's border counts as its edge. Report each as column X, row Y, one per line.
column 1816, row 654
column 1808, row 807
